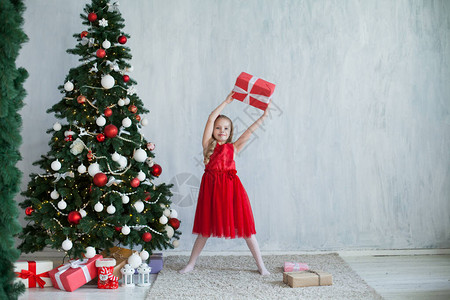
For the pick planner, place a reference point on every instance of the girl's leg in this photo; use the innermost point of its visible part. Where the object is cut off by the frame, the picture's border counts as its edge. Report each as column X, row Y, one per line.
column 252, row 244
column 196, row 249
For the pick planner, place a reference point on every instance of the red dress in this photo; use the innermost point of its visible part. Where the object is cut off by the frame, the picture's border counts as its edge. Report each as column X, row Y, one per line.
column 223, row 207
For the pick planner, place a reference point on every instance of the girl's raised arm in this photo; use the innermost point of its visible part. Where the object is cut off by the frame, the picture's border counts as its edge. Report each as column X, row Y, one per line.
column 209, row 128
column 243, row 139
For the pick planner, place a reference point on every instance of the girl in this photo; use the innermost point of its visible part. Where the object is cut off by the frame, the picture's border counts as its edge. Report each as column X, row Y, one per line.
column 223, row 207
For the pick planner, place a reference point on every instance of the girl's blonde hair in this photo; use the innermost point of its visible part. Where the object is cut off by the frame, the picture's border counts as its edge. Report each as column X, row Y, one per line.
column 208, row 151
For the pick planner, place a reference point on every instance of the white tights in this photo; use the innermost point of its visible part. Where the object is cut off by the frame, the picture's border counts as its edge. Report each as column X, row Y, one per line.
column 200, row 242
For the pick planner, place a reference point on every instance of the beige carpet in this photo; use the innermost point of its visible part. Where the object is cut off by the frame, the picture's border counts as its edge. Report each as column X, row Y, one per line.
column 236, row 277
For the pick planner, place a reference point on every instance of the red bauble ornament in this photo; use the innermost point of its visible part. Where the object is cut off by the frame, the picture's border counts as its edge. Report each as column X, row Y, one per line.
column 111, row 131
column 29, row 210
column 138, row 118
column 118, row 228
column 92, row 17
column 135, row 182
column 74, row 217
column 81, row 99
column 108, row 112
column 156, row 170
column 100, row 53
column 122, row 39
column 148, row 196
column 89, row 155
column 174, row 222
column 147, row 237
column 101, row 137
column 83, row 34
column 68, row 138
column 100, row 179
column 132, row 108
column 126, row 78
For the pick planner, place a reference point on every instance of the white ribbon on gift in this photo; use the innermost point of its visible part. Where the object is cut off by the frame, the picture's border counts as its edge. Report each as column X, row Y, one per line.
column 252, row 81
column 73, row 264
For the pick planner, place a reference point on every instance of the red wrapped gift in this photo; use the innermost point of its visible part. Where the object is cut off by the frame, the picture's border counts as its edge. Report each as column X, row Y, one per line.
column 253, row 90
column 33, row 273
column 74, row 274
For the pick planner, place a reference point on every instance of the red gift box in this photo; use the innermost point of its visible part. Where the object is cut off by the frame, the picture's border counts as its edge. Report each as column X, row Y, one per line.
column 75, row 273
column 253, row 90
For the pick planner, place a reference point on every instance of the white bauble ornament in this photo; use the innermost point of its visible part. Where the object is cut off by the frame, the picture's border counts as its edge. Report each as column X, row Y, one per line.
column 62, row 204
column 106, row 44
column 125, row 199
column 98, row 207
column 54, row 195
column 174, row 214
column 81, row 169
column 126, row 230
column 56, row 165
column 94, row 169
column 90, row 252
column 144, row 121
column 144, row 255
column 166, row 212
column 126, row 122
column 123, row 162
column 140, row 155
column 163, row 220
column 84, row 41
column 67, row 244
column 141, row 176
column 68, row 86
column 126, row 101
column 176, row 243
column 139, row 206
column 107, row 81
column 111, row 209
column 135, row 260
column 83, row 213
column 169, row 231
column 101, row 121
column 121, row 102
column 57, row 126
column 115, row 156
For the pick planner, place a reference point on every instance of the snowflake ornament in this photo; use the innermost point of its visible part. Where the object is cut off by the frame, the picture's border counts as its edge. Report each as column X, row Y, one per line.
column 94, row 68
column 131, row 90
column 103, row 22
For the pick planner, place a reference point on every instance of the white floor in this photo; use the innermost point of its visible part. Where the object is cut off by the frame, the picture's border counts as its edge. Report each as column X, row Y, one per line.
column 393, row 274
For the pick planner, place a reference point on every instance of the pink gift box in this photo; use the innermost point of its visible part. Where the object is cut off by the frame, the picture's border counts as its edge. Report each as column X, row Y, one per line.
column 74, row 274
column 253, row 90
column 295, row 266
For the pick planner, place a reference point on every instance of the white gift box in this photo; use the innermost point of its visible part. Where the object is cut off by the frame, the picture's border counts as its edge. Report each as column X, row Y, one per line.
column 34, row 273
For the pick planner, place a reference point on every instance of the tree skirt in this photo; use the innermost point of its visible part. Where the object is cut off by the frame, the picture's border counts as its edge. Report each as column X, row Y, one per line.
column 236, row 277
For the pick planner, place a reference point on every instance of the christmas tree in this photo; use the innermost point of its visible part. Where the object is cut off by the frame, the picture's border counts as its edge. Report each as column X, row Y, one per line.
column 98, row 187
column 12, row 94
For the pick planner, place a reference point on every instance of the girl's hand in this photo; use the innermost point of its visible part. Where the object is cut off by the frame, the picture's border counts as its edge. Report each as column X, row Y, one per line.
column 266, row 112
column 229, row 98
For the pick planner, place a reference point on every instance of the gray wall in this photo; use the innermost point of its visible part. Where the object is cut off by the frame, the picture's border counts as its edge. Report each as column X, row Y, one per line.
column 355, row 154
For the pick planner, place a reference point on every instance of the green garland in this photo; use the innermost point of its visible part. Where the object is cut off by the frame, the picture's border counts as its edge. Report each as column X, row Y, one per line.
column 12, row 94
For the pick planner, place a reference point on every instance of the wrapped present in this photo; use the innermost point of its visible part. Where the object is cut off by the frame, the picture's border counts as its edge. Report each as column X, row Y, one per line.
column 295, row 266
column 34, row 273
column 75, row 273
column 156, row 263
column 120, row 255
column 307, row 278
column 253, row 90
column 105, row 268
